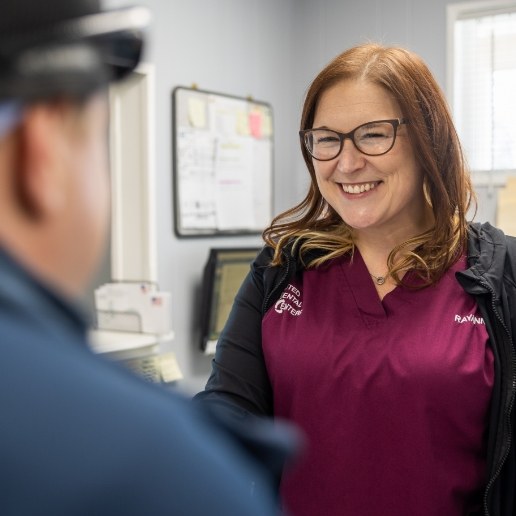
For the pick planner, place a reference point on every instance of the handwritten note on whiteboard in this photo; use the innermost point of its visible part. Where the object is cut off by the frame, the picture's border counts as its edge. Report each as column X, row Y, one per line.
column 223, row 163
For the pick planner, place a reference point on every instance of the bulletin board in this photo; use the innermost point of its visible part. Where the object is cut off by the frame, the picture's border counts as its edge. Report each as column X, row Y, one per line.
column 222, row 163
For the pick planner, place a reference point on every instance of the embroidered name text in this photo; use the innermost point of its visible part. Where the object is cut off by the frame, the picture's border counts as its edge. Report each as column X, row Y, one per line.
column 469, row 319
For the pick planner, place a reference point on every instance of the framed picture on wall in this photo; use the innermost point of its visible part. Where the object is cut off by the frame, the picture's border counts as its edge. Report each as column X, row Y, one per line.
column 222, row 163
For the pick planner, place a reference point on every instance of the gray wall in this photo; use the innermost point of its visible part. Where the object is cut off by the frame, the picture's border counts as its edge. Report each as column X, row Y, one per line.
column 269, row 49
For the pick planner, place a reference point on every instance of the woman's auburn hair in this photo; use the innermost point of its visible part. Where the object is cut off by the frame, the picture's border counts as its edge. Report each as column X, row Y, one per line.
column 314, row 225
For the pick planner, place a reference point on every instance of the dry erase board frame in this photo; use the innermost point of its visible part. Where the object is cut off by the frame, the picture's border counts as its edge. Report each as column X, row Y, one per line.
column 223, row 156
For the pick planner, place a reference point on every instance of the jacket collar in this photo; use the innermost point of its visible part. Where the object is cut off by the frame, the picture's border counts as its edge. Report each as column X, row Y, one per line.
column 487, row 247
column 20, row 289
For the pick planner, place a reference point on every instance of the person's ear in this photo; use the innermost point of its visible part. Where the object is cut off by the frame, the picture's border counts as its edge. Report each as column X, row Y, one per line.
column 41, row 173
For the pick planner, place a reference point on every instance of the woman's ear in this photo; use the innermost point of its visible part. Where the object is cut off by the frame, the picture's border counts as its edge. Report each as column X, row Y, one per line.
column 41, row 175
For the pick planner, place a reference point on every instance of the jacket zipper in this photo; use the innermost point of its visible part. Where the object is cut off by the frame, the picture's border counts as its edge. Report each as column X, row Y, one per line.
column 509, row 407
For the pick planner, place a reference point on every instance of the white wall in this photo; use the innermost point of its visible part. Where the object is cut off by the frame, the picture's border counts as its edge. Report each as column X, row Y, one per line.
column 270, row 49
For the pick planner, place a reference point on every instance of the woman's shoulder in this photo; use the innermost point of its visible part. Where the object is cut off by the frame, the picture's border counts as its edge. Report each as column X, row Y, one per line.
column 264, row 256
column 492, row 250
column 269, row 277
column 484, row 234
column 264, row 268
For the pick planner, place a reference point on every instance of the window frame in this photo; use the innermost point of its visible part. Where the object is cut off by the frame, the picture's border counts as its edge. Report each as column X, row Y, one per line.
column 474, row 9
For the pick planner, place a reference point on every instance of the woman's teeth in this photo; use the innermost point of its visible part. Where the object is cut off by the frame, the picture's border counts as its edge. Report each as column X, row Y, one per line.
column 357, row 189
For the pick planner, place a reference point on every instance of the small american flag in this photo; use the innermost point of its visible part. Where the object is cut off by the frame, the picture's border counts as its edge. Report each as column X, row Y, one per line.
column 156, row 301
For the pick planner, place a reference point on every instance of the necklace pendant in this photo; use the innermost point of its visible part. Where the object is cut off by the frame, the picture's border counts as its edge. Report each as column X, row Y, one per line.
column 380, row 280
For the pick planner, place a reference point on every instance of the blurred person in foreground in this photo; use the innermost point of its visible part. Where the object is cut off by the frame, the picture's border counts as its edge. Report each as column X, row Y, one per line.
column 80, row 436
column 377, row 318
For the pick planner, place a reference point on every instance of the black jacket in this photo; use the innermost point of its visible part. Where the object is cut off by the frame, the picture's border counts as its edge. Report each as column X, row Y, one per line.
column 239, row 380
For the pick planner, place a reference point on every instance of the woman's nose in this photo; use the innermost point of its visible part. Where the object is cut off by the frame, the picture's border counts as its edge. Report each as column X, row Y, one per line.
column 350, row 158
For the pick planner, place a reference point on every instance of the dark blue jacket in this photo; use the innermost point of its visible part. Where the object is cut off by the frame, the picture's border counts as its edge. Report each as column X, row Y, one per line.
column 81, row 436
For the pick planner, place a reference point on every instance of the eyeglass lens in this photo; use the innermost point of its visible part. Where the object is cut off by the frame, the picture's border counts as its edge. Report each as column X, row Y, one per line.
column 373, row 138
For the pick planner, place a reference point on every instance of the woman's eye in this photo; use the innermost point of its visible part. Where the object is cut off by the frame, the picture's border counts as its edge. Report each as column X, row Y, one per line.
column 326, row 139
column 373, row 134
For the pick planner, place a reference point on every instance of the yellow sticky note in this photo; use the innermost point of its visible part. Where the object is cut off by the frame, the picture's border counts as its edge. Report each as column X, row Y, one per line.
column 169, row 367
column 267, row 125
column 242, row 123
column 197, row 112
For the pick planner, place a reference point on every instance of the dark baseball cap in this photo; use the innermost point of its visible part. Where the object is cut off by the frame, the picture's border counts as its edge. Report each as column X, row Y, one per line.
column 66, row 47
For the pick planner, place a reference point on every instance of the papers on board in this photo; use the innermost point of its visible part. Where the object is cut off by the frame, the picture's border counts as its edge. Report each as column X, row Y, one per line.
column 223, row 162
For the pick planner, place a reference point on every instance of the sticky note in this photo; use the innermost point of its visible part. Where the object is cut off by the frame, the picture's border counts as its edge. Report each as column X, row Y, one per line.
column 242, row 123
column 197, row 112
column 267, row 125
column 169, row 367
column 255, row 123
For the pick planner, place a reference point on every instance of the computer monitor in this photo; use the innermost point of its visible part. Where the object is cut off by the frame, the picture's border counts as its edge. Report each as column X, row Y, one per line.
column 224, row 272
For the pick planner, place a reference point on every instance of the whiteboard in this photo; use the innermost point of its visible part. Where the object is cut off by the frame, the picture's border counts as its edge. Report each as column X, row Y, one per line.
column 222, row 163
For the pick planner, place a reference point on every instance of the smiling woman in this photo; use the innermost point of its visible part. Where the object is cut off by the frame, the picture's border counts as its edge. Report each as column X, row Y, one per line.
column 390, row 361
column 364, row 84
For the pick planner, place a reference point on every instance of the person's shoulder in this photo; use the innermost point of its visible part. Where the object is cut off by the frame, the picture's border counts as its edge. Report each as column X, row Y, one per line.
column 264, row 257
column 288, row 254
column 492, row 250
column 488, row 234
column 76, row 409
column 262, row 268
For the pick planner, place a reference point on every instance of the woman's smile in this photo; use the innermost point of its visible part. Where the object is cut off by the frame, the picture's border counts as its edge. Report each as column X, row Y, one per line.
column 359, row 188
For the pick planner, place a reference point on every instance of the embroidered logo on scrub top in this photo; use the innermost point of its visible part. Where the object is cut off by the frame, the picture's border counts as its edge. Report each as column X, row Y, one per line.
column 472, row 319
column 289, row 302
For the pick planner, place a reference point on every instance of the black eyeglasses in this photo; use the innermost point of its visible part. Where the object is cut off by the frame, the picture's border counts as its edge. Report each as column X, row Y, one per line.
column 372, row 138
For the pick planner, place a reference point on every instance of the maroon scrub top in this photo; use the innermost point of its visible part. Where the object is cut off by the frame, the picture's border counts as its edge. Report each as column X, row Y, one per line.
column 392, row 394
